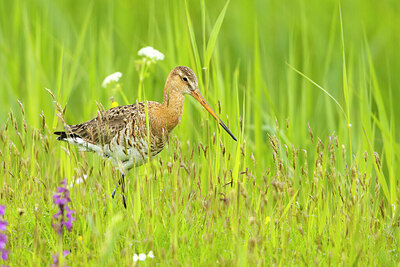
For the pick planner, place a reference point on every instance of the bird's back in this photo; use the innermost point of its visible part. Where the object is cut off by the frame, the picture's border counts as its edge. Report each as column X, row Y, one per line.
column 119, row 133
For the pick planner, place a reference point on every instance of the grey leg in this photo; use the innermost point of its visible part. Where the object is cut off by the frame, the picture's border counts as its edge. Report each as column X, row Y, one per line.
column 113, row 193
column 122, row 183
column 123, row 190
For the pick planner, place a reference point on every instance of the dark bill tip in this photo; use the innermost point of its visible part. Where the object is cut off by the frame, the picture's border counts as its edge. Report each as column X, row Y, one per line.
column 227, row 130
column 196, row 94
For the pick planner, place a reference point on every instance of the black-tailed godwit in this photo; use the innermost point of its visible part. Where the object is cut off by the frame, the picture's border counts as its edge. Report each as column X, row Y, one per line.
column 120, row 133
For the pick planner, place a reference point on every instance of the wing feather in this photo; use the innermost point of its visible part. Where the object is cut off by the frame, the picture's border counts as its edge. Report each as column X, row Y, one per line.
column 106, row 125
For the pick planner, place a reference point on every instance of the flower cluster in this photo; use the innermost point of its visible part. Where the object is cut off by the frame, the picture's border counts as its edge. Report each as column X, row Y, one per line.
column 56, row 259
column 142, row 256
column 112, row 78
column 149, row 56
column 64, row 215
column 78, row 180
column 3, row 236
column 151, row 53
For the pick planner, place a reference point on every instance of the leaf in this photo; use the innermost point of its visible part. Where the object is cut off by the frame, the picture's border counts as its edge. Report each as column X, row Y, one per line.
column 214, row 35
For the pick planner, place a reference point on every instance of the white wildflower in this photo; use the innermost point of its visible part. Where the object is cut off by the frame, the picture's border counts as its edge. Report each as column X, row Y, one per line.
column 78, row 180
column 151, row 53
column 150, row 255
column 142, row 256
column 111, row 78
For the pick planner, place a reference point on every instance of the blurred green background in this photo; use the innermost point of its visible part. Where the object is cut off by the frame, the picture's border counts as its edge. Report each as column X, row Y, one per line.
column 70, row 46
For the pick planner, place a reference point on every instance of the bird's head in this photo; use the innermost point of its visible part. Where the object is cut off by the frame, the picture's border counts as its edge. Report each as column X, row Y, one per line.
column 183, row 80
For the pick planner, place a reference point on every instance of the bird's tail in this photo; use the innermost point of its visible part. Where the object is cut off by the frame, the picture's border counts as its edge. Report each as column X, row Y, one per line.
column 63, row 136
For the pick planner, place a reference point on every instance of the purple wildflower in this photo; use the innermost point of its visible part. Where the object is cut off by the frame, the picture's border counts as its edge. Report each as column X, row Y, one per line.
column 3, row 225
column 56, row 260
column 3, row 236
column 64, row 215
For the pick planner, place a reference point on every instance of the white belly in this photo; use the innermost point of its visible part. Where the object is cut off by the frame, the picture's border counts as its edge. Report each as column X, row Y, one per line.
column 126, row 157
column 123, row 156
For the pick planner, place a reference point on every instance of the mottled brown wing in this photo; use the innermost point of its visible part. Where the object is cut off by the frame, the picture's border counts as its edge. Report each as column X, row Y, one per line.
column 106, row 125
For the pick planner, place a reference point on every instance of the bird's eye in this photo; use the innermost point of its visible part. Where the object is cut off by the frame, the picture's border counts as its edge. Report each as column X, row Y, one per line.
column 185, row 79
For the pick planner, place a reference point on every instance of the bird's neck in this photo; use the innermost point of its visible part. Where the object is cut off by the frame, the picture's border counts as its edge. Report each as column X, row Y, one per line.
column 172, row 106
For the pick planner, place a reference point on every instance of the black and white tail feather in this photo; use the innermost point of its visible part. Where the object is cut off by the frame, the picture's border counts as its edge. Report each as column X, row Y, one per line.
column 76, row 140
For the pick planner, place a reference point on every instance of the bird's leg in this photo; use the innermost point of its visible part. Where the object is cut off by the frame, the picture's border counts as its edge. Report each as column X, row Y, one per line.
column 121, row 181
column 115, row 189
column 123, row 189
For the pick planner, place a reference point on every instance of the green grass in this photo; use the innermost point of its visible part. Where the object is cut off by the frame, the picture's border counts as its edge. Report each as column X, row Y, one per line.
column 308, row 88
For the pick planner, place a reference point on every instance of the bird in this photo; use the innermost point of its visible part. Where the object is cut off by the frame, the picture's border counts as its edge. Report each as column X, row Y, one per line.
column 121, row 133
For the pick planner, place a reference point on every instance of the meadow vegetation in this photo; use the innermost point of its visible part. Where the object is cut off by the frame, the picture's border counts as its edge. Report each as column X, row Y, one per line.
column 309, row 88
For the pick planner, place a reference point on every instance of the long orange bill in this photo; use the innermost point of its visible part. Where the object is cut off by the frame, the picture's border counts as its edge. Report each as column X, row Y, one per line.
column 196, row 94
